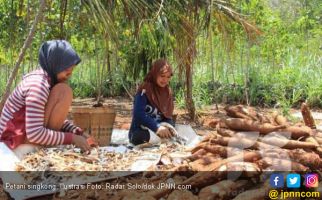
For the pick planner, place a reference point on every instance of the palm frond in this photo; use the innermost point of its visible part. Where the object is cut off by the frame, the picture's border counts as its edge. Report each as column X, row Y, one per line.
column 102, row 18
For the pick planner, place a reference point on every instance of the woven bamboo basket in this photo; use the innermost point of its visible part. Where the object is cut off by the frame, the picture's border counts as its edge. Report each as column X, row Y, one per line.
column 97, row 121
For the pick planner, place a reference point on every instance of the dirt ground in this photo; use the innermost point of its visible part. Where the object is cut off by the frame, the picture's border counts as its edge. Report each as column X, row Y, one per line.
column 123, row 109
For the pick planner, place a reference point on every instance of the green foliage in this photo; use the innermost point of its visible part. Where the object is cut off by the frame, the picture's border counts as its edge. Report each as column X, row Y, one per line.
column 281, row 68
column 180, row 98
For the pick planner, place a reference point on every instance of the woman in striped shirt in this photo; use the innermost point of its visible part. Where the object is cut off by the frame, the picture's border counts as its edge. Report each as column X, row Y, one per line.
column 35, row 113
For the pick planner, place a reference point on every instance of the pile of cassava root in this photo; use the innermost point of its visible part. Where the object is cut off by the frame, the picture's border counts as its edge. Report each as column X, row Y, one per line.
column 246, row 146
column 256, row 142
column 252, row 143
column 234, row 161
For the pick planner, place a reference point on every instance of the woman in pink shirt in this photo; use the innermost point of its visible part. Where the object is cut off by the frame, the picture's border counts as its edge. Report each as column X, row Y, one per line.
column 35, row 112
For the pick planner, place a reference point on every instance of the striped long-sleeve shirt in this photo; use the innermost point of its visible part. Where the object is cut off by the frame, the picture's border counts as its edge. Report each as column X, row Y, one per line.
column 31, row 95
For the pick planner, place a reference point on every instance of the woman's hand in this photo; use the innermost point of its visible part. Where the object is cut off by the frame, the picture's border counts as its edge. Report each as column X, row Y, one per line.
column 164, row 132
column 80, row 141
column 78, row 131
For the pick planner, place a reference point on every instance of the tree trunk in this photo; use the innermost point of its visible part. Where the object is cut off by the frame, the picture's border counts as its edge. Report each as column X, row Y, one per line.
column 63, row 8
column 189, row 101
column 186, row 52
column 31, row 63
column 98, row 74
column 24, row 48
column 108, row 57
column 189, row 69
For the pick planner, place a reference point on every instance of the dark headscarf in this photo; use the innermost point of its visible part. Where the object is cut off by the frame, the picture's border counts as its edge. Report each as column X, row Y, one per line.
column 56, row 56
column 160, row 97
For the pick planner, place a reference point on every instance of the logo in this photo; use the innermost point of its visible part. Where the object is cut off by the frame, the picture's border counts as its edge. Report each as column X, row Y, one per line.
column 277, row 180
column 273, row 194
column 311, row 180
column 293, row 181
